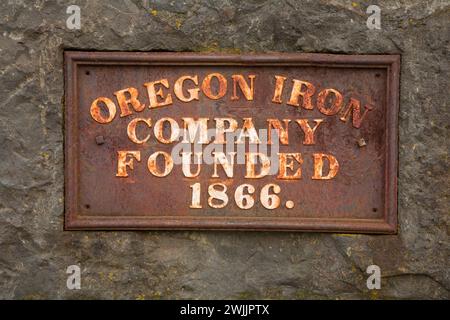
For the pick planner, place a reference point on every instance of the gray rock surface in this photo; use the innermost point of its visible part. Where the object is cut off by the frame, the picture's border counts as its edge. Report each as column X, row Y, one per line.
column 34, row 249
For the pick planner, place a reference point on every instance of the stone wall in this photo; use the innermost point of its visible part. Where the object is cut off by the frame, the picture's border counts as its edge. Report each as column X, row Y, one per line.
column 34, row 249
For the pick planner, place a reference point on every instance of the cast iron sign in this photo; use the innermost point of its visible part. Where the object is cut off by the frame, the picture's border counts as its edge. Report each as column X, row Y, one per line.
column 244, row 142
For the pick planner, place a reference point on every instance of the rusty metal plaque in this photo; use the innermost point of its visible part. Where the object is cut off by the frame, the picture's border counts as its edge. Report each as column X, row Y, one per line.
column 239, row 142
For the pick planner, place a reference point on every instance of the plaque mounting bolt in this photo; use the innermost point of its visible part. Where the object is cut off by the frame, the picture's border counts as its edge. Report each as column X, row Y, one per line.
column 99, row 140
column 362, row 143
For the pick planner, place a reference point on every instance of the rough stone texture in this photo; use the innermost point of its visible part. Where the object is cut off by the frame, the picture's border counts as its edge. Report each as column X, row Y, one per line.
column 34, row 249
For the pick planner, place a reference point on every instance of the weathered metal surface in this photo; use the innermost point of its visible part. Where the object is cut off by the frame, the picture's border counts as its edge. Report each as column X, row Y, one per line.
column 336, row 169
